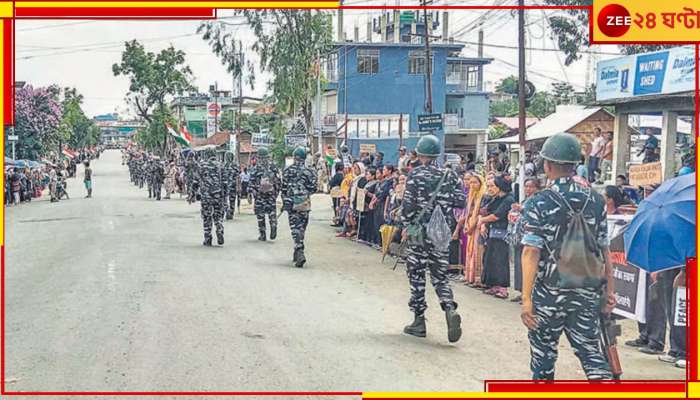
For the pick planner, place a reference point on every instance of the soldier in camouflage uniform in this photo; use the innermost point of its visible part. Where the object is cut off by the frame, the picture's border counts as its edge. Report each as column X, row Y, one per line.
column 213, row 188
column 149, row 169
column 158, row 176
column 265, row 186
column 190, row 172
column 298, row 183
column 421, row 184
column 232, row 170
column 548, row 309
column 140, row 163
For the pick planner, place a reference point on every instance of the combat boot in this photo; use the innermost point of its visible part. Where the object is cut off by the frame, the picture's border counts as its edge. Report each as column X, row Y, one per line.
column 207, row 241
column 273, row 232
column 262, row 236
column 454, row 322
column 220, row 239
column 299, row 258
column 417, row 328
column 229, row 215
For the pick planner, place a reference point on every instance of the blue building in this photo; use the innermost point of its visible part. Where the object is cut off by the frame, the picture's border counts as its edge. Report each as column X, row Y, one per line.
column 374, row 91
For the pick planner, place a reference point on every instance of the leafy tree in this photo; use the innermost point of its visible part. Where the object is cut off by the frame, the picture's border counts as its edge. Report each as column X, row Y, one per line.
column 151, row 136
column 289, row 43
column 153, row 79
column 508, row 85
column 563, row 92
column 37, row 119
column 570, row 30
column 504, row 108
column 541, row 105
column 76, row 129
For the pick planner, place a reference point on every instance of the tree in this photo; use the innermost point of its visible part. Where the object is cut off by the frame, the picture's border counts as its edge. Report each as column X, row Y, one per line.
column 508, row 85
column 504, row 108
column 563, row 92
column 570, row 30
column 151, row 136
column 76, row 129
column 153, row 79
column 289, row 50
column 37, row 119
column 542, row 105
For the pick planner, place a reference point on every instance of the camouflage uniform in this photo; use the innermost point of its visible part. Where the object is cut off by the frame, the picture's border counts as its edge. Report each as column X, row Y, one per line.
column 297, row 180
column 232, row 170
column 421, row 183
column 213, row 184
column 265, row 202
column 574, row 311
column 190, row 181
column 149, row 169
column 158, row 175
column 140, row 163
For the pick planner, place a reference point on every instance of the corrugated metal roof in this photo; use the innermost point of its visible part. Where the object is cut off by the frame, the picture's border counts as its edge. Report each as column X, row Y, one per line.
column 565, row 118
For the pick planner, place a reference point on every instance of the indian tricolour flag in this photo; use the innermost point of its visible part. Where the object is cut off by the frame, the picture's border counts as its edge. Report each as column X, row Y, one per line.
column 183, row 137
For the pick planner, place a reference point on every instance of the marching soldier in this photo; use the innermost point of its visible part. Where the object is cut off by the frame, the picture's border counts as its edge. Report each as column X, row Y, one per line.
column 190, row 172
column 298, row 183
column 418, row 206
column 232, row 170
column 265, row 186
column 213, row 184
column 158, row 176
column 150, row 170
column 549, row 309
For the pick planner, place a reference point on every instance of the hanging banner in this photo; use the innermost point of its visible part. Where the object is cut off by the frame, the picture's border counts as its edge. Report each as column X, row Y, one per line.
column 630, row 281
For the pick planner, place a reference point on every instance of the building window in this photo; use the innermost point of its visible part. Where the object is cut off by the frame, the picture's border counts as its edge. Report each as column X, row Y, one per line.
column 367, row 61
column 416, row 62
column 331, row 69
column 472, row 78
column 454, row 73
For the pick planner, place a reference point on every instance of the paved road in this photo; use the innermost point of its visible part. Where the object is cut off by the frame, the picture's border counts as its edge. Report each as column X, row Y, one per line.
column 117, row 293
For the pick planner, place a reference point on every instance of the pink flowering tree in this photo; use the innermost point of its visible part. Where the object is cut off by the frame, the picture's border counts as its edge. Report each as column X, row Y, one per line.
column 37, row 118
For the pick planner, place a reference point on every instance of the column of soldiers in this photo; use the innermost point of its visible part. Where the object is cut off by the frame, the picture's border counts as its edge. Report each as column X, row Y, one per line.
column 216, row 185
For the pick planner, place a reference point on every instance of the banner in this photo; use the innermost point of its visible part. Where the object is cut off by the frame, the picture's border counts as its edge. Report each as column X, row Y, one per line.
column 368, row 148
column 663, row 72
column 360, row 203
column 681, row 310
column 629, row 281
column 645, row 174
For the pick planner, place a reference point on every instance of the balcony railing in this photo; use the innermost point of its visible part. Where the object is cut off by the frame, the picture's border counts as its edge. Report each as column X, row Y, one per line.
column 453, row 123
column 329, row 123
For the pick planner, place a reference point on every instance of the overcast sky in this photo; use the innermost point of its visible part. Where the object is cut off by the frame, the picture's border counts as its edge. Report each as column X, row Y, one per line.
column 81, row 53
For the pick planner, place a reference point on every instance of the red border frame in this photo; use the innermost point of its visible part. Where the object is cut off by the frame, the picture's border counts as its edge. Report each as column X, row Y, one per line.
column 208, row 13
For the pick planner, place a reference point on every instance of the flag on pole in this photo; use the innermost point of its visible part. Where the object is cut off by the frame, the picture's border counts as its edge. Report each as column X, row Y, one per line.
column 184, row 139
column 67, row 153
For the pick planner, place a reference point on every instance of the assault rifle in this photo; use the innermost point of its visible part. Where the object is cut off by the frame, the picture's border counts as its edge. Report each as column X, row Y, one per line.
column 609, row 332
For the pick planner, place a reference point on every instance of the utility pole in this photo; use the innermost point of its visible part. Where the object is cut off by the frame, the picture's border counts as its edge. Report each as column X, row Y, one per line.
column 318, row 100
column 240, row 100
column 521, row 98
column 426, row 36
column 216, row 107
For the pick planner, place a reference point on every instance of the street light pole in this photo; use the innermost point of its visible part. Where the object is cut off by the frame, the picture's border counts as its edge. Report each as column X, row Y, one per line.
column 318, row 100
column 426, row 36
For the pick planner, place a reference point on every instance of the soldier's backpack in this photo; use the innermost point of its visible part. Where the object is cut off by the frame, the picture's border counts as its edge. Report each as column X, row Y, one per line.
column 437, row 230
column 267, row 182
column 581, row 262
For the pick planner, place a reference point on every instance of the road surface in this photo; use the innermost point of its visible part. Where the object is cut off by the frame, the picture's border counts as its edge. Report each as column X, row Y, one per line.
column 116, row 293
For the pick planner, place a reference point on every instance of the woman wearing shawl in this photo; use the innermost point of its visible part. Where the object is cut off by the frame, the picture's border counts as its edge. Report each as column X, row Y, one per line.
column 474, row 250
column 358, row 182
column 494, row 226
column 458, row 244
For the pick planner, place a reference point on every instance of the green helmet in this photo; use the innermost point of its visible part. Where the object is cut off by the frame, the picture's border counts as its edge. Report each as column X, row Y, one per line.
column 209, row 154
column 429, row 146
column 300, row 153
column 263, row 153
column 562, row 148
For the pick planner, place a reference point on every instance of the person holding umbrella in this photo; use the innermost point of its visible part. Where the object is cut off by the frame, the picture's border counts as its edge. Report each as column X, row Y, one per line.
column 657, row 242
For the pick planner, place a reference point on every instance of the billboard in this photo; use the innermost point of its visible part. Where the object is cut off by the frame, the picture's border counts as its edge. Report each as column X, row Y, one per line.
column 662, row 72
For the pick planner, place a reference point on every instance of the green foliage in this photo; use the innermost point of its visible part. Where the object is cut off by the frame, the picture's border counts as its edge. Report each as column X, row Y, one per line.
column 563, row 92
column 279, row 150
column 76, row 129
column 504, row 108
column 289, row 43
column 497, row 131
column 508, row 85
column 153, row 78
column 154, row 135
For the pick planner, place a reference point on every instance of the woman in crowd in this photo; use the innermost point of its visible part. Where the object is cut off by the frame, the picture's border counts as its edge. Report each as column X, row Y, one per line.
column 459, row 238
column 631, row 195
column 494, row 226
column 170, row 179
column 245, row 180
column 334, row 184
column 515, row 234
column 358, row 182
column 366, row 224
column 473, row 250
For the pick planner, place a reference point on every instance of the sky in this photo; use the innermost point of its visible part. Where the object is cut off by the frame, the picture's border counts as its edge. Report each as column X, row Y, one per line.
column 80, row 54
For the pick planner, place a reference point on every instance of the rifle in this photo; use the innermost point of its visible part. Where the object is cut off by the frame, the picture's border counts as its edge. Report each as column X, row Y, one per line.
column 609, row 331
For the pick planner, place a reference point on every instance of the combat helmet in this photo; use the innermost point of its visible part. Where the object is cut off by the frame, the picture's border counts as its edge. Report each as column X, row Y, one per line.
column 299, row 153
column 263, row 152
column 428, row 146
column 562, row 148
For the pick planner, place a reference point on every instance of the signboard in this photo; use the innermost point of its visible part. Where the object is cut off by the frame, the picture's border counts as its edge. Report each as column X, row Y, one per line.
column 429, row 122
column 630, row 282
column 681, row 314
column 261, row 139
column 664, row 72
column 360, row 197
column 368, row 148
column 12, row 138
column 213, row 109
column 295, row 140
column 645, row 174
column 212, row 115
column 451, row 122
